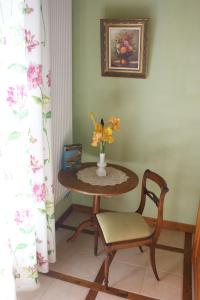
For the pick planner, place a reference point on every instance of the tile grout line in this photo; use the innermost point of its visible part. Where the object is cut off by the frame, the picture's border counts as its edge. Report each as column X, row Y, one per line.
column 146, row 270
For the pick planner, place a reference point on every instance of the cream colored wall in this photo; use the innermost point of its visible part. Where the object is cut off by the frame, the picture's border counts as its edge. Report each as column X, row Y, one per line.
column 160, row 115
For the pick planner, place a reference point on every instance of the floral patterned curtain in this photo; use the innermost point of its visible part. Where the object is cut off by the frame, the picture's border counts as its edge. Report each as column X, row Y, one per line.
column 27, row 224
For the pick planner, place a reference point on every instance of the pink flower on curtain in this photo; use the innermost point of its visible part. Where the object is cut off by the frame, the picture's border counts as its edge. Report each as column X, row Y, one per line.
column 29, row 40
column 20, row 89
column 15, row 94
column 49, row 78
column 34, row 75
column 39, row 191
column 40, row 259
column 11, row 96
column 34, row 164
column 21, row 216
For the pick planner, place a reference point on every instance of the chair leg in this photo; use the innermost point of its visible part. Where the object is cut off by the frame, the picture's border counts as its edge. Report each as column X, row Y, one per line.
column 106, row 270
column 141, row 250
column 96, row 236
column 153, row 262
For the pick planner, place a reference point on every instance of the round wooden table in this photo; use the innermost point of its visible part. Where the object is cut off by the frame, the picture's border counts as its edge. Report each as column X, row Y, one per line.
column 69, row 180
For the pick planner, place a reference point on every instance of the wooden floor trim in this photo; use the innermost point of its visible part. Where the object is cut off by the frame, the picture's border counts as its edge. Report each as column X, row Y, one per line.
column 99, row 279
column 171, row 225
column 169, row 248
column 96, row 286
column 187, row 268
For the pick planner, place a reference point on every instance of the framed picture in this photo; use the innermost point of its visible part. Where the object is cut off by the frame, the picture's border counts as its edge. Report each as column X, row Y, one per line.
column 123, row 47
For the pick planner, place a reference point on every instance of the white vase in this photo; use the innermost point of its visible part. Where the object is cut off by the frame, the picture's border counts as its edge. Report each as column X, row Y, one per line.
column 101, row 170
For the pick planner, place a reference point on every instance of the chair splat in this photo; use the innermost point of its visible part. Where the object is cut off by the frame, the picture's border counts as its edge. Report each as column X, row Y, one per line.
column 152, row 196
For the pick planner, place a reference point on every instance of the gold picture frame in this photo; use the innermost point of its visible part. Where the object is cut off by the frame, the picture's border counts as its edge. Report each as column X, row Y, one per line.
column 123, row 47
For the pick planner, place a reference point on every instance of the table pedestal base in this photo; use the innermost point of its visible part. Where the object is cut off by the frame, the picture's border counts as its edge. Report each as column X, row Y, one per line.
column 89, row 222
column 85, row 224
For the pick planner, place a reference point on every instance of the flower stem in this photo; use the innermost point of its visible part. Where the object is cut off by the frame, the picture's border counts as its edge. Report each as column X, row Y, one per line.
column 42, row 15
column 102, row 147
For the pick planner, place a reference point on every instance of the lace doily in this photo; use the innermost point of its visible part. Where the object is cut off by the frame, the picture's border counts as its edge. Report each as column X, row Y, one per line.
column 113, row 176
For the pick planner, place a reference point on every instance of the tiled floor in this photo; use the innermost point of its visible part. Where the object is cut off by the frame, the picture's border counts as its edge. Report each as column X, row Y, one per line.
column 130, row 269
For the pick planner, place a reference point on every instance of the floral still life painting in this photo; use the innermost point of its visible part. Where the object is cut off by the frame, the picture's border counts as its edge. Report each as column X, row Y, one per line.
column 123, row 47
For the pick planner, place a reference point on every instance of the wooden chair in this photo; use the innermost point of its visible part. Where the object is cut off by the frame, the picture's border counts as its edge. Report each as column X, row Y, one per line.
column 120, row 230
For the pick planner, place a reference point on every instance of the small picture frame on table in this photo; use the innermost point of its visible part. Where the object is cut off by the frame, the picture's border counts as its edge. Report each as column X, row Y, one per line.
column 71, row 157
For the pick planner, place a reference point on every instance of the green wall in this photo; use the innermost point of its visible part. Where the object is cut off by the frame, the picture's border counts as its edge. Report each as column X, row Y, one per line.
column 63, row 205
column 160, row 115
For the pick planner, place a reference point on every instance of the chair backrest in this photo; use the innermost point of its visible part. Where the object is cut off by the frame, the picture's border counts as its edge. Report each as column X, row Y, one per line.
column 158, row 200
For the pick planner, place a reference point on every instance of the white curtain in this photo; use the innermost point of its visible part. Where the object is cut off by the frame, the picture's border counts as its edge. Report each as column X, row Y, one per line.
column 27, row 223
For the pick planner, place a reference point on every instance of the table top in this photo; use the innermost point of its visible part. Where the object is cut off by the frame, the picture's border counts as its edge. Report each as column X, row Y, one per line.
column 69, row 180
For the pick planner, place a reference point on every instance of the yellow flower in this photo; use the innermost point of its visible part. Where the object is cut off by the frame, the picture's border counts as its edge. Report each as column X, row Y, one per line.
column 107, row 135
column 107, row 131
column 109, row 139
column 104, row 134
column 98, row 127
column 92, row 117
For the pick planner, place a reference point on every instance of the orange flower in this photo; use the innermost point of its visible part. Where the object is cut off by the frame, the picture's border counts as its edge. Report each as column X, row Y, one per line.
column 115, row 123
column 96, row 138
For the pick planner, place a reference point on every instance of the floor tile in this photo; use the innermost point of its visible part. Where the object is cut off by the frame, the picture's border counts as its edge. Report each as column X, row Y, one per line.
column 36, row 294
column 126, row 277
column 170, row 286
column 63, row 290
column 133, row 256
column 84, row 243
column 168, row 261
column 79, row 265
column 51, row 289
column 62, row 235
column 104, row 296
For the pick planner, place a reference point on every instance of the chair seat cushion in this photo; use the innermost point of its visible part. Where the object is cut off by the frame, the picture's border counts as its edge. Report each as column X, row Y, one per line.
column 123, row 226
